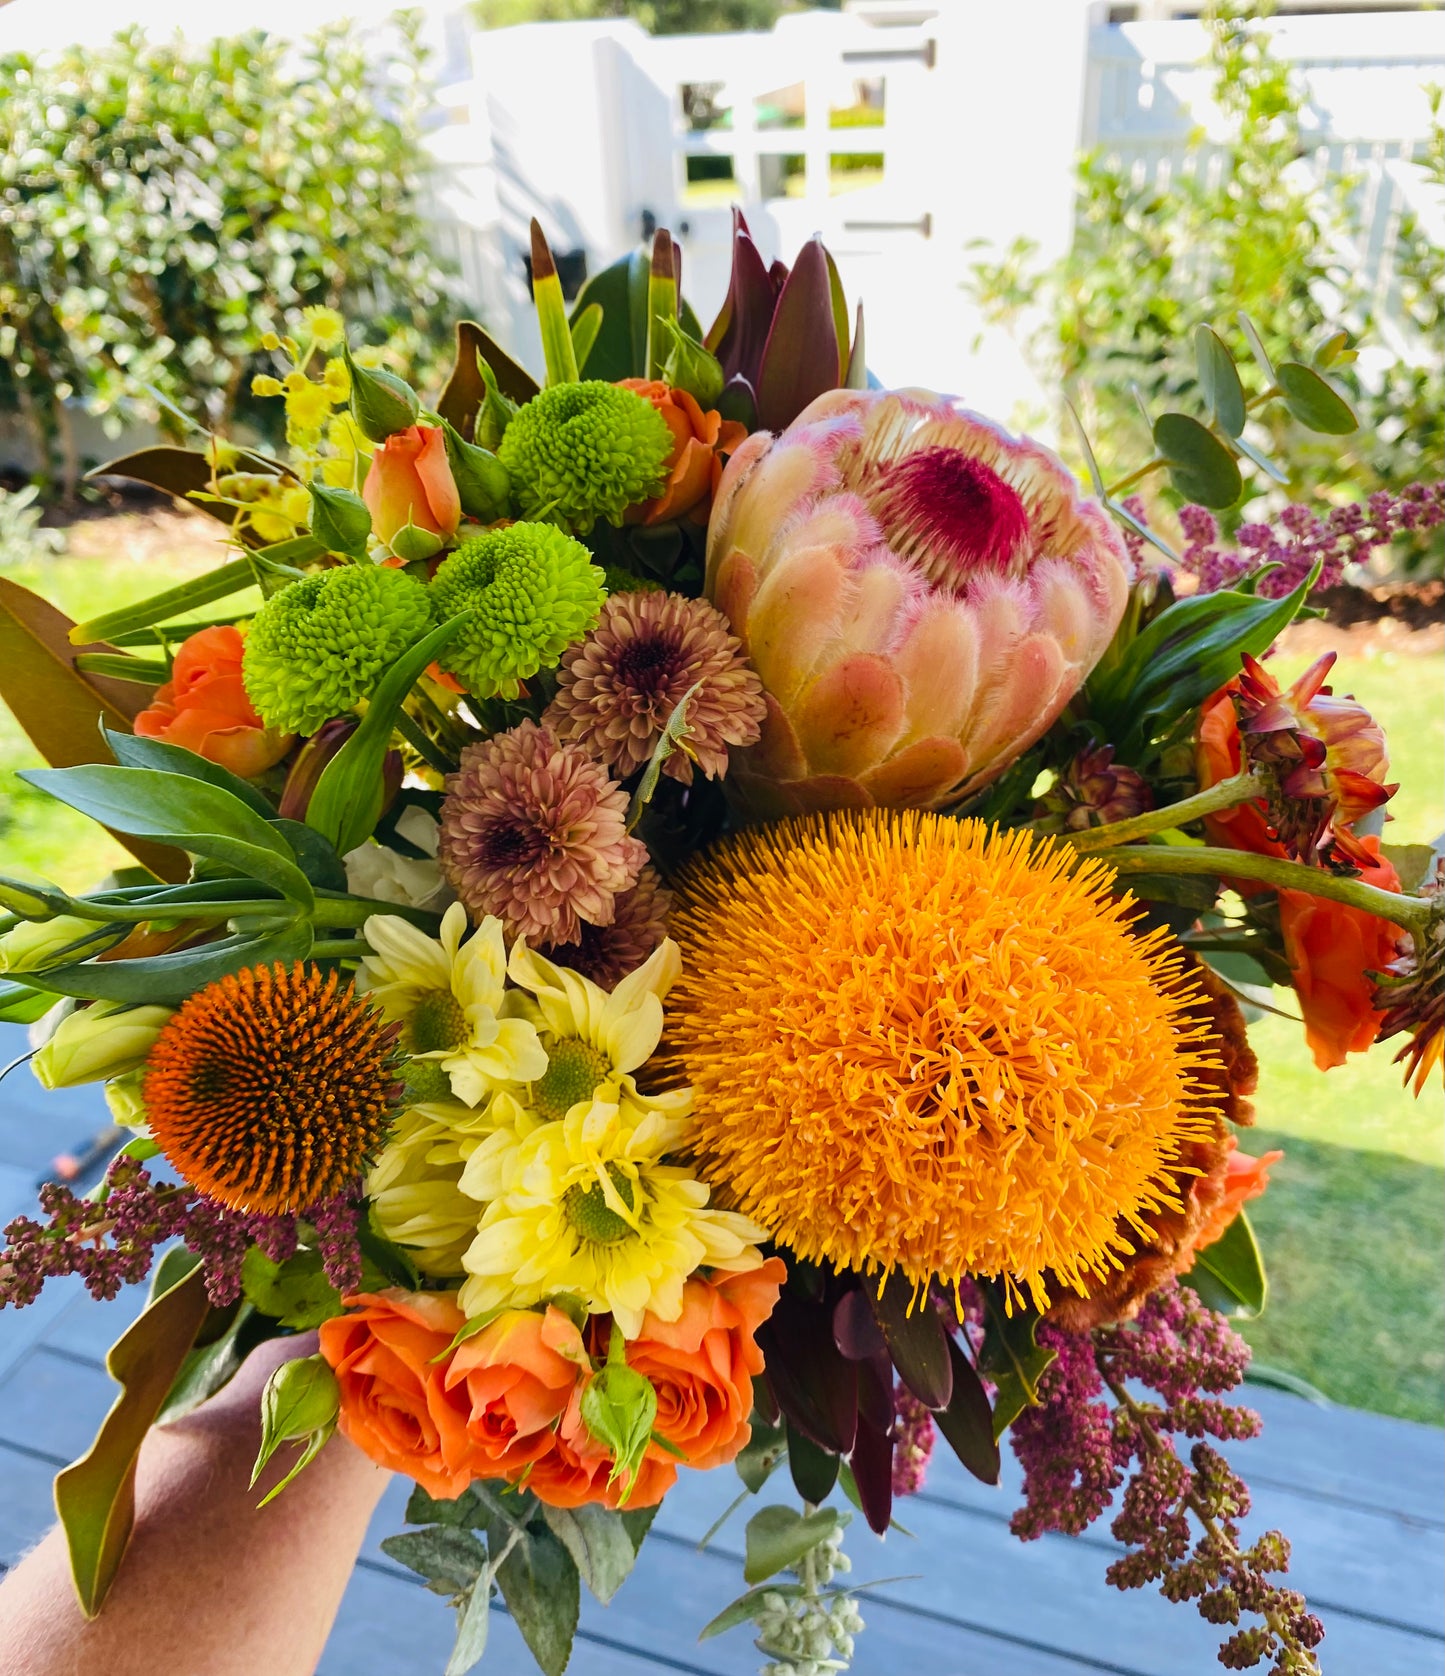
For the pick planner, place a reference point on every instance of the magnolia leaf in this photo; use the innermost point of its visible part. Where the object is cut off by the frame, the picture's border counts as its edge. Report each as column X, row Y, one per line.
column 1219, row 380
column 132, row 751
column 1314, row 401
column 466, row 389
column 222, row 1344
column 95, row 1497
column 599, row 1543
column 1012, row 1359
column 1229, row 1274
column 778, row 1537
column 917, row 1340
column 674, row 737
column 347, row 801
column 182, row 472
column 540, row 1585
column 192, row 814
column 967, row 1422
column 1201, row 467
column 59, row 706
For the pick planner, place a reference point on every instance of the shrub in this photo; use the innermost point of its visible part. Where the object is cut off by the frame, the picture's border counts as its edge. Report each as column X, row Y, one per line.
column 161, row 204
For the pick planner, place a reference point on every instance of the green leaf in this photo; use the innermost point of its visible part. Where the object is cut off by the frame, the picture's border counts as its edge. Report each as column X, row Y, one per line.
column 1219, row 380
column 296, row 1292
column 1314, row 401
column 674, row 736
column 585, row 327
column 132, row 751
column 1229, row 1275
column 466, row 1511
column 619, row 1407
column 814, row 1469
column 1012, row 1358
column 619, row 349
column 1258, row 457
column 1086, row 448
column 19, row 1004
column 189, row 813
column 169, row 979
column 95, row 1496
column 211, row 1363
column 967, row 1423
column 778, row 1537
column 638, row 1521
column 761, row 1455
column 1201, row 467
column 599, row 1543
column 1332, row 349
column 740, row 1611
column 1412, row 862
column 221, row 583
column 347, row 801
column 474, row 1620
column 540, row 1585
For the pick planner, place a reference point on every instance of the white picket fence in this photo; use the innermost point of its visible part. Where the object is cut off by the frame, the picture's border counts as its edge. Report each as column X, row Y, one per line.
column 907, row 137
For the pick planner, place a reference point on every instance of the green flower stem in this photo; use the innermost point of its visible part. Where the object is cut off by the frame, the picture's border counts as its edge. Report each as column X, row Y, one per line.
column 415, row 736
column 203, row 590
column 339, row 948
column 1411, row 912
column 1136, row 476
column 1226, row 794
column 335, row 910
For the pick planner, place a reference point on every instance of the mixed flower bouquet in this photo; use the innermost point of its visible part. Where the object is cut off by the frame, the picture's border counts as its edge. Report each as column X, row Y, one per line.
column 701, row 913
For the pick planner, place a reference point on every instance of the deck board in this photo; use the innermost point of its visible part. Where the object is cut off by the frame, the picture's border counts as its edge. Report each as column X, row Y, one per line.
column 1361, row 1497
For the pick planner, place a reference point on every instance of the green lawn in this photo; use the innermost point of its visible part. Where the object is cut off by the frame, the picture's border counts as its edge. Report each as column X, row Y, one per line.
column 1353, row 1225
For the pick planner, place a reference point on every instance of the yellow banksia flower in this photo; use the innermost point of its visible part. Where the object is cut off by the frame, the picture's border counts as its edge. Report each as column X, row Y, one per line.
column 920, row 1044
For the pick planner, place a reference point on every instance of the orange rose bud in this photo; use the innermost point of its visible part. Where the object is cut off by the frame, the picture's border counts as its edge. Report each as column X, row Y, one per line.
column 1245, row 1178
column 576, row 1470
column 204, row 707
column 517, row 1377
column 410, row 482
column 699, row 441
column 395, row 1406
column 1332, row 949
column 702, row 1365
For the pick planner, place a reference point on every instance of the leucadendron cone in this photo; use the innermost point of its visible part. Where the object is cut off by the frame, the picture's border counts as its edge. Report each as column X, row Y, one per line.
column 920, row 592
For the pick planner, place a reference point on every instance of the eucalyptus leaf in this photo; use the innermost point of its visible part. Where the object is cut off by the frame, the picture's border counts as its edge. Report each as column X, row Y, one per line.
column 599, row 1543
column 1256, row 347
column 1314, row 401
column 1258, row 457
column 1229, row 1274
column 1201, row 467
column 1219, row 380
column 778, row 1537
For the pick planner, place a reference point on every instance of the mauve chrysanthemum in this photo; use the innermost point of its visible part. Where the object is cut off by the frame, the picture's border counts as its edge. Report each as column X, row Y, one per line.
column 607, row 953
column 533, row 831
column 617, row 687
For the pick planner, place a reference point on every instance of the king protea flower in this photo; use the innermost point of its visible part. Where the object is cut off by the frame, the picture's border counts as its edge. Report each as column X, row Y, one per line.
column 920, row 593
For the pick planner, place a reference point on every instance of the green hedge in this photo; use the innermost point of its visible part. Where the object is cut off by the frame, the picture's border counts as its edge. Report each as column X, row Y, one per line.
column 160, row 206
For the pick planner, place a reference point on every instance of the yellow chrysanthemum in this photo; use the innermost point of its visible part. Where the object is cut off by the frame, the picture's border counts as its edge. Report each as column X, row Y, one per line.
column 449, row 997
column 416, row 1199
column 920, row 1044
column 596, row 1039
column 589, row 1208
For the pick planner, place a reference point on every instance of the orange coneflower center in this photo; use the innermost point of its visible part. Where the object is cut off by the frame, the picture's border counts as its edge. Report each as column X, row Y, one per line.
column 273, row 1088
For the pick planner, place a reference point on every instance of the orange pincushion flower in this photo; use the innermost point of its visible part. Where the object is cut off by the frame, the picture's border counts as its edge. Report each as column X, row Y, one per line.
column 917, row 1043
column 273, row 1088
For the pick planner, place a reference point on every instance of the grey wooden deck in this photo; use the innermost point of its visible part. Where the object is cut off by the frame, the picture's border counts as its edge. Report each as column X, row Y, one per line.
column 1362, row 1499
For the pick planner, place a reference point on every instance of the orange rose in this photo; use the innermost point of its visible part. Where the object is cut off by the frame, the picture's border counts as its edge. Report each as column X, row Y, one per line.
column 702, row 1365
column 1245, row 1178
column 204, row 707
column 410, row 482
column 395, row 1406
column 699, row 441
column 517, row 1376
column 1332, row 949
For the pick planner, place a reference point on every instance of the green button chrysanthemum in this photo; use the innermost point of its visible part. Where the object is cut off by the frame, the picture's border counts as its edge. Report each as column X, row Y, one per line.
column 585, row 451
column 325, row 641
column 531, row 591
